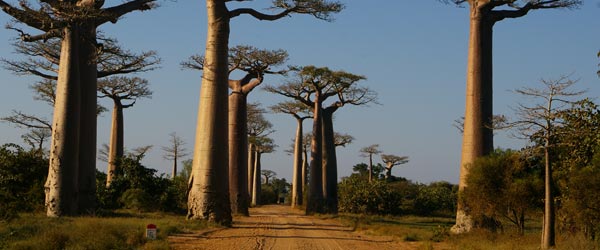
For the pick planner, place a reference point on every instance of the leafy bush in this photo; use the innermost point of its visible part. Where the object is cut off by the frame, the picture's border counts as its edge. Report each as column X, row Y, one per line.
column 22, row 176
column 137, row 187
column 437, row 197
column 357, row 195
column 502, row 185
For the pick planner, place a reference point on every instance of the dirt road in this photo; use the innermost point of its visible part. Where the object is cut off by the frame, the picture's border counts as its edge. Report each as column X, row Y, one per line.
column 280, row 227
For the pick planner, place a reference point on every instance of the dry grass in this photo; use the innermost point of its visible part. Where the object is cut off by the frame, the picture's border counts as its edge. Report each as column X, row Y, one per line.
column 429, row 230
column 125, row 232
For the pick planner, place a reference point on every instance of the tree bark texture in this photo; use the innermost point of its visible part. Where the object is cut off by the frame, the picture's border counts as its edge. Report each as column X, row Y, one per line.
column 257, row 188
column 88, row 126
column 116, row 147
column 251, row 159
column 478, row 134
column 209, row 193
column 315, row 195
column 548, row 227
column 238, row 154
column 329, row 163
column 297, row 178
column 61, row 185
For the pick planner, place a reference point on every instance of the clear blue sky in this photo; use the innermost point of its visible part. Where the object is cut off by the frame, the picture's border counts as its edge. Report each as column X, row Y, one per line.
column 413, row 53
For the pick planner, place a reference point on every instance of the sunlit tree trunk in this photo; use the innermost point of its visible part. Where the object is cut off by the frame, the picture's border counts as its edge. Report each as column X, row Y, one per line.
column 256, row 188
column 297, row 178
column 477, row 135
column 304, row 175
column 87, row 148
column 548, row 227
column 315, row 195
column 251, row 158
column 116, row 146
column 209, row 195
column 238, row 154
column 329, row 163
column 61, row 185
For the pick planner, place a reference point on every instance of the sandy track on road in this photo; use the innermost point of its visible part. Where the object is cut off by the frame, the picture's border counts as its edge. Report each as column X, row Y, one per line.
column 280, row 227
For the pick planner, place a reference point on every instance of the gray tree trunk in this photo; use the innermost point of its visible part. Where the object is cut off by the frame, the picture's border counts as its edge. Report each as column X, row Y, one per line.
column 88, row 126
column 251, row 159
column 238, row 154
column 329, row 163
column 174, row 171
column 116, row 147
column 297, row 178
column 61, row 185
column 304, row 175
column 477, row 135
column 209, row 193
column 315, row 195
column 370, row 167
column 256, row 188
column 548, row 227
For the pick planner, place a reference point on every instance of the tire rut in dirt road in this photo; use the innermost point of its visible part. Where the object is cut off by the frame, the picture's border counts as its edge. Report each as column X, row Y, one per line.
column 280, row 227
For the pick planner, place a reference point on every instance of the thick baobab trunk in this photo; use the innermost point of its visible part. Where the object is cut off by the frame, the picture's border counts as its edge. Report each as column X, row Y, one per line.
column 388, row 173
column 238, row 154
column 61, row 185
column 116, row 147
column 88, row 126
column 209, row 193
column 251, row 158
column 256, row 188
column 477, row 135
column 548, row 227
column 329, row 163
column 315, row 195
column 297, row 178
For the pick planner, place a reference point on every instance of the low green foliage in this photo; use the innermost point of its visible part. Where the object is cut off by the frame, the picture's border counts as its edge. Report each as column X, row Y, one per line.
column 358, row 195
column 22, row 176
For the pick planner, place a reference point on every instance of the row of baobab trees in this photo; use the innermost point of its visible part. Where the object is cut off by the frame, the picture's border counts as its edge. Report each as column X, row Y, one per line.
column 75, row 22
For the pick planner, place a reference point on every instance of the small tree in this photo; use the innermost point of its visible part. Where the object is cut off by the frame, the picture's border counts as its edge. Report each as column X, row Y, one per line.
column 120, row 89
column 300, row 112
column 174, row 152
column 268, row 174
column 369, row 152
column 392, row 161
column 539, row 123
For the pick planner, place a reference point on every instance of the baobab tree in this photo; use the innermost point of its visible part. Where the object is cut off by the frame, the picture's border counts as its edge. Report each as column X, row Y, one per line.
column 392, row 161
column 70, row 186
column 478, row 134
column 258, row 130
column 300, row 112
column 263, row 145
column 268, row 174
column 254, row 63
column 208, row 197
column 312, row 87
column 174, row 152
column 369, row 151
column 120, row 89
column 341, row 140
column 539, row 123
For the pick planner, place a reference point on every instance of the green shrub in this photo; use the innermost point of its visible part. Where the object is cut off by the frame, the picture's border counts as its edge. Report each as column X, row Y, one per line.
column 22, row 176
column 357, row 195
